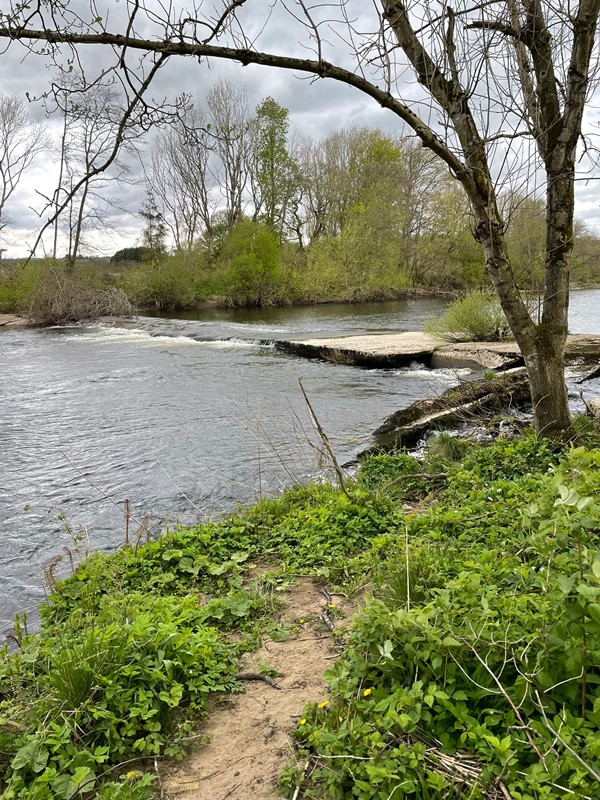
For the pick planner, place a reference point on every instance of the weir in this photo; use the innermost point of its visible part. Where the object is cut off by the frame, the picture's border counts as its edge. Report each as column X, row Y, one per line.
column 379, row 351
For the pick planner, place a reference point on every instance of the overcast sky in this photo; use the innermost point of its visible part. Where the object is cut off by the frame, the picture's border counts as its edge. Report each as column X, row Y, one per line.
column 316, row 107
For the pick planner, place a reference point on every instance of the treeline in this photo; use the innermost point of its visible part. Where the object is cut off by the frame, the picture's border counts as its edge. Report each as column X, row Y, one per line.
column 260, row 214
column 244, row 210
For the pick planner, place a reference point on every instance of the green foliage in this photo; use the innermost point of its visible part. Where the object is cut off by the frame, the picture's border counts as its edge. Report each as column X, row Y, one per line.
column 250, row 257
column 92, row 692
column 127, row 655
column 169, row 282
column 474, row 317
column 276, row 172
column 132, row 255
column 154, row 235
column 391, row 475
column 480, row 637
column 443, row 449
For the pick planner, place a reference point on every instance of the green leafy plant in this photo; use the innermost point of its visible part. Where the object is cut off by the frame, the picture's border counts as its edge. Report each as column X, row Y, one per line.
column 476, row 316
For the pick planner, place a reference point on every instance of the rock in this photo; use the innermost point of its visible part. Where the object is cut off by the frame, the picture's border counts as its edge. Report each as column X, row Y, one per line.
column 268, row 732
column 400, row 349
column 593, row 407
column 12, row 321
column 378, row 350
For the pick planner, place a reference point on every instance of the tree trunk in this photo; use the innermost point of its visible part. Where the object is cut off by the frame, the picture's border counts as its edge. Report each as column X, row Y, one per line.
column 543, row 344
column 546, row 370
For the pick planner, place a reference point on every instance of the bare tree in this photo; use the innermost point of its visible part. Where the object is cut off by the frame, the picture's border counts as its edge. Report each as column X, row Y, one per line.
column 230, row 122
column 498, row 88
column 90, row 124
column 181, row 177
column 21, row 140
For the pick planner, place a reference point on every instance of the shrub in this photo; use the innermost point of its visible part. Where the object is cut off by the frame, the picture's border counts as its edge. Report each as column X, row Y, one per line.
column 132, row 255
column 476, row 316
column 250, row 256
column 58, row 295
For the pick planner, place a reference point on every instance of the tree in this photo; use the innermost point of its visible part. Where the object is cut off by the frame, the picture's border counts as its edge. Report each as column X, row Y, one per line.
column 275, row 174
column 90, row 126
column 250, row 255
column 21, row 140
column 154, row 235
column 229, row 119
column 501, row 88
column 182, row 179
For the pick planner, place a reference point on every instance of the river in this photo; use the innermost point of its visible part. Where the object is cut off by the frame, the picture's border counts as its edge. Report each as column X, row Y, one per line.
column 183, row 427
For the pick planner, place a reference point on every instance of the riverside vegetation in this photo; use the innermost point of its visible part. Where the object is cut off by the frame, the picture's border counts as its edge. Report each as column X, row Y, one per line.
column 360, row 215
column 479, row 637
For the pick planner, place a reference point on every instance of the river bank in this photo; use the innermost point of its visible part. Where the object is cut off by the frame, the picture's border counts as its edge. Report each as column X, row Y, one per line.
column 137, row 647
column 13, row 321
column 197, row 597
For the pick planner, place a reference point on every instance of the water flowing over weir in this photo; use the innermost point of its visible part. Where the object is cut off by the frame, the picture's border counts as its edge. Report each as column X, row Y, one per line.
column 184, row 417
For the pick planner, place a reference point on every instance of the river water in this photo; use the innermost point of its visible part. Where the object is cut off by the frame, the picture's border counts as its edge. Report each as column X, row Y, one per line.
column 184, row 417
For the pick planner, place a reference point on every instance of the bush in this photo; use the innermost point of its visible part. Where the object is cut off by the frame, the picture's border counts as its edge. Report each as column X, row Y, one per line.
column 132, row 255
column 59, row 295
column 474, row 317
column 250, row 257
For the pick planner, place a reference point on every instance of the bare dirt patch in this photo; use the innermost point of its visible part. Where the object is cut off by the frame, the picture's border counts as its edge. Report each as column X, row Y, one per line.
column 249, row 735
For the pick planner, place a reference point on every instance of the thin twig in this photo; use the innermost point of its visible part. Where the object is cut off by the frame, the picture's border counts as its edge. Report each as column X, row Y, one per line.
column 160, row 784
column 300, row 782
column 325, row 441
column 231, row 791
column 257, row 676
column 504, row 693
column 504, row 790
column 567, row 747
column 127, row 515
column 181, row 492
column 96, row 487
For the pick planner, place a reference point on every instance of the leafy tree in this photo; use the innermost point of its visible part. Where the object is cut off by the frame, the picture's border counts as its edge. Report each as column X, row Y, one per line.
column 250, row 256
column 274, row 173
column 132, row 255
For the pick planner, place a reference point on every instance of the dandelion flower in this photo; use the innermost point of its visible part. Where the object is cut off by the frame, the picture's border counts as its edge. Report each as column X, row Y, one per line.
column 324, row 704
column 302, row 721
column 367, row 692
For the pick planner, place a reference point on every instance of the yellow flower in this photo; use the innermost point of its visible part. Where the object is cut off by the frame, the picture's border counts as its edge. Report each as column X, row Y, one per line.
column 302, row 721
column 324, row 704
column 132, row 774
column 367, row 692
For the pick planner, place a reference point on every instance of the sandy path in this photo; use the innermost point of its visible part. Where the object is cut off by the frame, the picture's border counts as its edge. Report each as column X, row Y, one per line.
column 249, row 735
